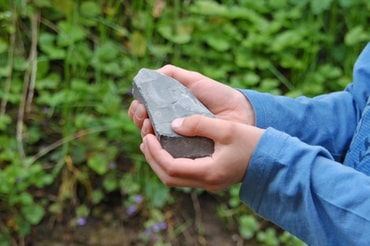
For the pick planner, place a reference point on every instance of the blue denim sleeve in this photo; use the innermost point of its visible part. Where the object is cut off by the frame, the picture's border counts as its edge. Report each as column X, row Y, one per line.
column 303, row 190
column 328, row 120
column 295, row 178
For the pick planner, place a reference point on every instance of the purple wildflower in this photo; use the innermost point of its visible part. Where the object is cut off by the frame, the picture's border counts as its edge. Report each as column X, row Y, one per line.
column 130, row 211
column 81, row 221
column 162, row 225
column 156, row 228
column 148, row 231
column 138, row 199
column 159, row 226
column 112, row 165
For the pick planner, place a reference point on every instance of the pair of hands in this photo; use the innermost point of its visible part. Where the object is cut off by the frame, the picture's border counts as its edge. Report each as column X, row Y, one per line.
column 232, row 131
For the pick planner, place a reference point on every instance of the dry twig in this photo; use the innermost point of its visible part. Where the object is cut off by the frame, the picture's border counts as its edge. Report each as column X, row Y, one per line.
column 29, row 83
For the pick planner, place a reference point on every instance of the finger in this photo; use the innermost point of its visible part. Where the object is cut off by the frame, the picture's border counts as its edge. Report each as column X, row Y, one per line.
column 198, row 125
column 176, row 172
column 157, row 166
column 137, row 113
column 146, row 128
column 186, row 77
column 131, row 108
column 210, row 92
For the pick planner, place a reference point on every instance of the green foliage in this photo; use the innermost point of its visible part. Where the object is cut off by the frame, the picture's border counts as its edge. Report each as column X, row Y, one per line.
column 66, row 69
column 248, row 226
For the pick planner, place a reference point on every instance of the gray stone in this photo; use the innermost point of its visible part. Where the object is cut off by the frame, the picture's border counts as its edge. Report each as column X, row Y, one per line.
column 166, row 99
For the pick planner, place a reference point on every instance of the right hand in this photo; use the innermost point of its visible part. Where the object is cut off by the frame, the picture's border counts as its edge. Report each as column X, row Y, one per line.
column 223, row 101
column 234, row 146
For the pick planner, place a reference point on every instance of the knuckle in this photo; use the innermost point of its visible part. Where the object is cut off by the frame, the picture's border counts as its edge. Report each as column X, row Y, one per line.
column 168, row 182
column 215, row 179
column 168, row 66
column 227, row 134
column 170, row 170
column 196, row 122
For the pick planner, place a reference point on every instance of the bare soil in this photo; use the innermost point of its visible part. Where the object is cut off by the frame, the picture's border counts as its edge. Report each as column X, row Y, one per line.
column 192, row 220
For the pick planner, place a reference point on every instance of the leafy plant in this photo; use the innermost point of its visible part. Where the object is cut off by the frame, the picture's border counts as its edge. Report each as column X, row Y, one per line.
column 66, row 142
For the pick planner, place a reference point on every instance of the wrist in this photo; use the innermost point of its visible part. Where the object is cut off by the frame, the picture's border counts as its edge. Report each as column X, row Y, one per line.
column 247, row 107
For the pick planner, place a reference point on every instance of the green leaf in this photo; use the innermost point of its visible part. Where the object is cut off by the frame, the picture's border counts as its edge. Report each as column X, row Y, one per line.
column 158, row 194
column 47, row 44
column 97, row 196
column 218, row 42
column 48, row 83
column 33, row 213
column 90, row 9
column 65, row 6
column 108, row 51
column 82, row 211
column 3, row 45
column 206, row 7
column 268, row 237
column 110, row 184
column 56, row 208
column 113, row 68
column 348, row 3
column 5, row 120
column 248, row 226
column 70, row 33
column 356, row 35
column 20, row 63
column 23, row 226
column 178, row 35
column 319, row 6
column 23, row 198
column 5, row 239
column 138, row 44
column 98, row 163
column 43, row 3
column 278, row 4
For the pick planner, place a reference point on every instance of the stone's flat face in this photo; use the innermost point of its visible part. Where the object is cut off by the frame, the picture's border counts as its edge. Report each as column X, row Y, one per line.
column 166, row 99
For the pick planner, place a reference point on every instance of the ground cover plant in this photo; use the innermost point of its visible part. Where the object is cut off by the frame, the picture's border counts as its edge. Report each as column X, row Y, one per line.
column 67, row 146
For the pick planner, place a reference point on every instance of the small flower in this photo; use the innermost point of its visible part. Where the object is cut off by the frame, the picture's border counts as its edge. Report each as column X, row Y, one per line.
column 138, row 199
column 81, row 221
column 130, row 211
column 46, row 110
column 162, row 225
column 156, row 228
column 159, row 226
column 112, row 165
column 148, row 231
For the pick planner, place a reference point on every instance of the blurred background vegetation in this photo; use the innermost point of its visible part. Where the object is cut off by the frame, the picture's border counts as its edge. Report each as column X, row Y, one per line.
column 67, row 145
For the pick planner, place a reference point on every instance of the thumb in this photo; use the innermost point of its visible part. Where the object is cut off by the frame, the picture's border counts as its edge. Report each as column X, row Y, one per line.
column 198, row 125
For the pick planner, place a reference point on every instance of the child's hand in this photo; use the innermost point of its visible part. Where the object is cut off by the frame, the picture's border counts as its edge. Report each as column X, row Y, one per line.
column 234, row 145
column 223, row 101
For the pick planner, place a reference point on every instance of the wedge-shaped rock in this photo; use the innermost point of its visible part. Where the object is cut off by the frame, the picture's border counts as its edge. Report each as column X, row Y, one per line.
column 166, row 99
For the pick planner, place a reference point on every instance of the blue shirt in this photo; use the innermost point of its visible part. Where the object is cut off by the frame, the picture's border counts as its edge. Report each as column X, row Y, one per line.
column 309, row 171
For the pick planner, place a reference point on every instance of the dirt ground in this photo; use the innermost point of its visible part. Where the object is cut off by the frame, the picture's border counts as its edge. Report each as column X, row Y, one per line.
column 194, row 218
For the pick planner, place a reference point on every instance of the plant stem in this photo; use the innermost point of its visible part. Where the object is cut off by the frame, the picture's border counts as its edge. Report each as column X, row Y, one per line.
column 8, row 81
column 35, row 21
column 28, row 84
column 66, row 140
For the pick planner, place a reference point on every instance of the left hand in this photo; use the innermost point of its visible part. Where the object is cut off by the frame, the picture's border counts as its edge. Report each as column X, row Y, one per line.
column 234, row 145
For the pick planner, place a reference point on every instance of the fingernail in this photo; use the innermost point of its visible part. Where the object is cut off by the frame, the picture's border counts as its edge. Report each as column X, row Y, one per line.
column 176, row 123
column 142, row 147
column 140, row 115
